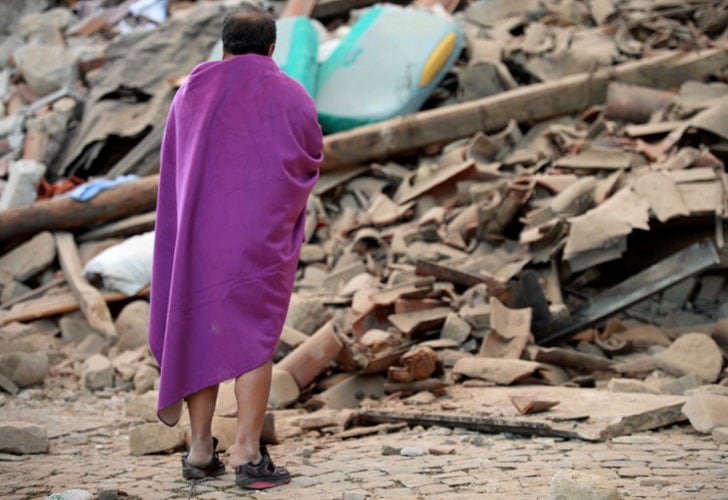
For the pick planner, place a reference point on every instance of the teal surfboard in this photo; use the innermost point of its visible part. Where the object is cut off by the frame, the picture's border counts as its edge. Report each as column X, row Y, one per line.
column 387, row 65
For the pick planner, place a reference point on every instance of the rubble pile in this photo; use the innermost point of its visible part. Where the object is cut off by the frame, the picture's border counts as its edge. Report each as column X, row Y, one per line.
column 552, row 222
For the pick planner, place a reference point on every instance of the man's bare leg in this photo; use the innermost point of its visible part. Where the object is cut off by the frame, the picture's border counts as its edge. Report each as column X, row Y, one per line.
column 201, row 406
column 251, row 391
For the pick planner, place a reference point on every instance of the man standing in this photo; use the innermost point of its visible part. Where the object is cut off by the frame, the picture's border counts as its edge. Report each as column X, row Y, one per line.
column 240, row 155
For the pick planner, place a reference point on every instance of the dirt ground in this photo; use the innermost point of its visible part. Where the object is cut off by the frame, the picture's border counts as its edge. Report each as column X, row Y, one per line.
column 89, row 450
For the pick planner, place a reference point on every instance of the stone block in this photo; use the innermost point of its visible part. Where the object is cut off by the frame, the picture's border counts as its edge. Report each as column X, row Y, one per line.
column 694, row 353
column 455, row 328
column 31, row 257
column 48, row 21
column 97, row 372
column 143, row 406
column 145, row 378
column 151, row 438
column 22, row 438
column 630, row 385
column 47, row 68
column 75, row 327
column 132, row 325
column 720, row 435
column 582, row 485
column 24, row 368
column 706, row 412
column 22, row 187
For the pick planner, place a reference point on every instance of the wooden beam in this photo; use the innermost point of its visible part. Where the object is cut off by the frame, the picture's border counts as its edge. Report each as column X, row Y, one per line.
column 65, row 213
column 90, row 300
column 532, row 103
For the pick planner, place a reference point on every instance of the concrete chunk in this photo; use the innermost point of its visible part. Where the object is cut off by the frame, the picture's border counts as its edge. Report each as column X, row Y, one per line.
column 143, row 406
column 151, row 438
column 22, row 438
column 24, row 368
column 455, row 328
column 706, row 412
column 582, row 485
column 31, row 257
column 630, row 385
column 22, row 186
column 132, row 325
column 47, row 68
column 97, row 372
column 695, row 353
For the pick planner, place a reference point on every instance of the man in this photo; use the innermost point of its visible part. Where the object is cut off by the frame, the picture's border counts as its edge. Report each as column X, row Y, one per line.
column 240, row 155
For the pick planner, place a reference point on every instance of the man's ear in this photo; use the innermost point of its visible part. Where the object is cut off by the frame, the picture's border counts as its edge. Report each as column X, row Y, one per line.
column 271, row 49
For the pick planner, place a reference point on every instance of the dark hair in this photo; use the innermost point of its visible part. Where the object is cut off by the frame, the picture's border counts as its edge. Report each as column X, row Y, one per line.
column 248, row 30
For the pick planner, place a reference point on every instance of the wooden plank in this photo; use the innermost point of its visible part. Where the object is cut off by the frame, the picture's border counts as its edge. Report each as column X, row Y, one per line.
column 528, row 104
column 90, row 300
column 52, row 305
column 65, row 213
column 126, row 227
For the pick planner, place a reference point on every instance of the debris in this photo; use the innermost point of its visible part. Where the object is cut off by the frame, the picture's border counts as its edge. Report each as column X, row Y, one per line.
column 574, row 484
column 151, row 438
column 132, row 325
column 97, row 372
column 23, row 438
column 679, row 266
column 24, row 368
column 527, row 405
column 706, row 412
column 692, row 353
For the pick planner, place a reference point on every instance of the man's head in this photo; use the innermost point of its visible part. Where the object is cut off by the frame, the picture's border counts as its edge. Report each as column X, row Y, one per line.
column 248, row 30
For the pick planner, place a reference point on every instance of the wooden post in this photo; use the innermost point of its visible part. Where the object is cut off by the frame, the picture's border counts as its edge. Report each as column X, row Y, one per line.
column 89, row 298
column 66, row 213
column 532, row 103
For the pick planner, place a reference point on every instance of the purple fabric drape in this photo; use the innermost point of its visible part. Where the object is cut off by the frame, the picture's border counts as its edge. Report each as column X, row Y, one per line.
column 240, row 155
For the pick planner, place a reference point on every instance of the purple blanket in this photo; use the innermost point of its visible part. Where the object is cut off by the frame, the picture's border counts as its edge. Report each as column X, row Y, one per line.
column 240, row 156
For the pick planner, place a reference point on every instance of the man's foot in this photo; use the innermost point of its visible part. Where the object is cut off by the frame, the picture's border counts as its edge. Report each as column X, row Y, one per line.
column 261, row 475
column 214, row 467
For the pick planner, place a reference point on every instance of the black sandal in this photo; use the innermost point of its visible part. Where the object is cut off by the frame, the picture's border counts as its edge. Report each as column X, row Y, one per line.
column 214, row 467
column 261, row 475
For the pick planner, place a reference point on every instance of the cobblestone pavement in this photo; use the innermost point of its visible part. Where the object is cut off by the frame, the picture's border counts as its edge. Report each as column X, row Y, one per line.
column 90, row 451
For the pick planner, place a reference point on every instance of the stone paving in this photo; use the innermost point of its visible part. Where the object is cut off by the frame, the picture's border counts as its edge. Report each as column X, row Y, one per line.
column 434, row 463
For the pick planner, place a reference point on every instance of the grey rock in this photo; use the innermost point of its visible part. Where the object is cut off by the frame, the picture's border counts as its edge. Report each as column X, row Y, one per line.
column 143, row 406
column 45, row 22
column 132, row 325
column 24, row 368
column 47, row 68
column 720, row 435
column 151, row 438
column 306, row 314
column 23, row 438
column 22, row 187
column 695, row 353
column 354, row 495
column 31, row 257
column 91, row 345
column 455, row 328
column 706, row 412
column 582, row 485
column 13, row 290
column 680, row 385
column 411, row 451
column 97, row 372
column 75, row 327
column 145, row 379
column 629, row 385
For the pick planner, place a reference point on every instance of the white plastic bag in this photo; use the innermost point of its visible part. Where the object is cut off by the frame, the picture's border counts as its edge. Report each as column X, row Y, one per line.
column 126, row 267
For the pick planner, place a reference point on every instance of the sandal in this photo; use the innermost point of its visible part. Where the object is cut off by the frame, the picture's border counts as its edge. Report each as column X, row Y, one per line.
column 214, row 467
column 261, row 475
